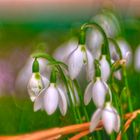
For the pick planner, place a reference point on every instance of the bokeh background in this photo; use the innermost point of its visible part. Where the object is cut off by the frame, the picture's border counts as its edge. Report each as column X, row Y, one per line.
column 27, row 26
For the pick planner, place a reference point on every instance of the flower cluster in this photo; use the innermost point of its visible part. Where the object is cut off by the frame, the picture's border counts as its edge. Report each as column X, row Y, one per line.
column 72, row 62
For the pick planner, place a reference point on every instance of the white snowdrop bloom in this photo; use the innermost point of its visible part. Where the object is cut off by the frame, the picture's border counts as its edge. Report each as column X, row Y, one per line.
column 63, row 51
column 109, row 117
column 117, row 74
column 50, row 98
column 105, row 68
column 97, row 91
column 36, row 84
column 24, row 74
column 113, row 52
column 94, row 42
column 76, row 61
column 137, row 59
column 109, row 23
column 125, row 48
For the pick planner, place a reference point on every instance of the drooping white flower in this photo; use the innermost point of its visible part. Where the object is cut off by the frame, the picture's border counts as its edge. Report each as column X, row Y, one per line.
column 50, row 98
column 109, row 22
column 94, row 42
column 105, row 68
column 97, row 91
column 26, row 71
column 36, row 84
column 118, row 73
column 109, row 117
column 76, row 61
column 125, row 49
column 137, row 59
column 113, row 52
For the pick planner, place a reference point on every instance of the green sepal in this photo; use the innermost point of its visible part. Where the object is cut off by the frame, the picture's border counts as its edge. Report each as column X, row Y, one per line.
column 53, row 76
column 35, row 66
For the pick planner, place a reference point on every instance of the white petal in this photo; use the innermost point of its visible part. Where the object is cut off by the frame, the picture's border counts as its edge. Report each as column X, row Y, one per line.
column 117, row 121
column 90, row 66
column 88, row 93
column 35, row 85
column 62, row 102
column 45, row 81
column 94, row 42
column 118, row 74
column 113, row 52
column 38, row 103
column 95, row 119
column 108, row 118
column 75, row 62
column 105, row 68
column 51, row 99
column 99, row 91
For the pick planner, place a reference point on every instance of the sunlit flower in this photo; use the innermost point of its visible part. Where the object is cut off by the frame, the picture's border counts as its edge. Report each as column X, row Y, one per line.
column 76, row 61
column 36, row 84
column 105, row 68
column 97, row 91
column 50, row 98
column 109, row 117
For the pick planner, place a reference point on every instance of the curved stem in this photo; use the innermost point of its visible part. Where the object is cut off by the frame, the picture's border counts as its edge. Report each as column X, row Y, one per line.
column 116, row 46
column 105, row 47
column 49, row 58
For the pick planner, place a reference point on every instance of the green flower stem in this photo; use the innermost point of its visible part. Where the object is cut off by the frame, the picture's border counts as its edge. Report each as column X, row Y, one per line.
column 127, row 88
column 53, row 76
column 67, row 87
column 82, row 39
column 118, row 104
column 97, row 68
column 130, row 106
column 81, row 99
column 49, row 58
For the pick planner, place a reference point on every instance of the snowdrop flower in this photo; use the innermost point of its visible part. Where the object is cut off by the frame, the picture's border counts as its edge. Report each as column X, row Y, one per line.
column 109, row 117
column 76, row 61
column 105, row 68
column 118, row 73
column 94, row 43
column 97, row 91
column 113, row 52
column 24, row 74
column 108, row 22
column 36, row 84
column 125, row 48
column 137, row 59
column 50, row 98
